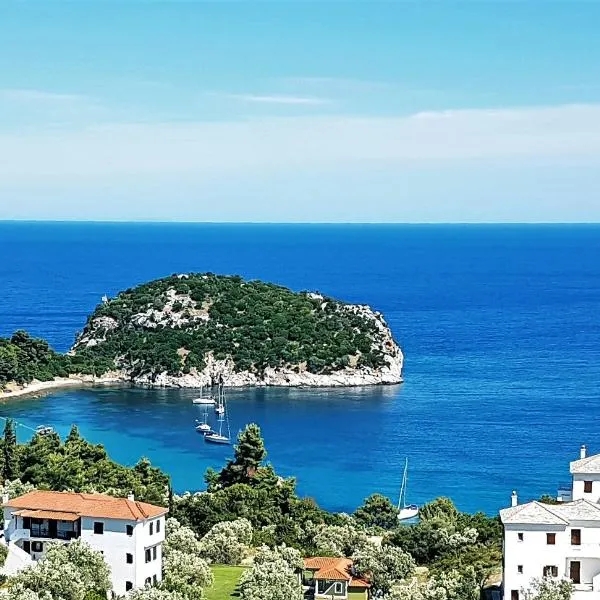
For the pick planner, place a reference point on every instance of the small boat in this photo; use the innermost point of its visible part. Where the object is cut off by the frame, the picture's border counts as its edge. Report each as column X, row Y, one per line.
column 207, row 400
column 220, row 409
column 204, row 428
column 216, row 438
column 406, row 512
column 44, row 430
column 204, row 400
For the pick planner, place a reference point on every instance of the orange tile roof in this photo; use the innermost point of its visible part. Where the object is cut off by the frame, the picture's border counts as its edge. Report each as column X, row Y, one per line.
column 48, row 514
column 86, row 505
column 332, row 568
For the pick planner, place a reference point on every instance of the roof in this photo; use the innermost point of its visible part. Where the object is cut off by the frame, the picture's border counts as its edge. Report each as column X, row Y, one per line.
column 536, row 513
column 47, row 514
column 591, row 464
column 85, row 505
column 337, row 569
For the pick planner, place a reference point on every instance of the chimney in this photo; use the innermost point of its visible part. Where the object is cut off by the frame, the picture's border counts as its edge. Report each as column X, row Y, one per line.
column 5, row 499
column 514, row 499
column 583, row 452
column 131, row 497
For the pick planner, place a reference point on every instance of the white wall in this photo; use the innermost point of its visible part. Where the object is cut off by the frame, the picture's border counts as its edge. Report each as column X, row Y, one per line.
column 578, row 487
column 533, row 553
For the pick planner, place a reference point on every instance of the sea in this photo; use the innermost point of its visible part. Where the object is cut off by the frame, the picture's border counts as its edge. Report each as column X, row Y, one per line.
column 499, row 324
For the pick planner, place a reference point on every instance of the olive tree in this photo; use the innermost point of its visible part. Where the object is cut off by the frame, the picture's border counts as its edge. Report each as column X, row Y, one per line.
column 154, row 593
column 180, row 538
column 549, row 588
column 228, row 542
column 186, row 574
column 67, row 572
column 340, row 540
column 271, row 580
column 383, row 566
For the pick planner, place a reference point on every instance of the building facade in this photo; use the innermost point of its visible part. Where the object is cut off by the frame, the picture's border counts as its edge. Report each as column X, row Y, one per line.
column 556, row 540
column 130, row 534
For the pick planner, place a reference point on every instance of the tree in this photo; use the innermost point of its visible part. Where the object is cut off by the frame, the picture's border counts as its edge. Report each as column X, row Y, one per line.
column 442, row 509
column 67, row 572
column 446, row 586
column 549, row 588
column 227, row 542
column 154, row 593
column 249, row 454
column 10, row 454
column 180, row 538
column 383, row 566
column 270, row 580
column 186, row 574
column 291, row 556
column 340, row 540
column 377, row 511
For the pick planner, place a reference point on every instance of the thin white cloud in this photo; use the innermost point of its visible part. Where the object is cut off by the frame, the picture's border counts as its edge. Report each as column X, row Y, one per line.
column 278, row 99
column 39, row 96
column 270, row 146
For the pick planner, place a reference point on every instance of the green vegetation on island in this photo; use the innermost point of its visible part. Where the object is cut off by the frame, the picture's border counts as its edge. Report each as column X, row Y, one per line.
column 176, row 324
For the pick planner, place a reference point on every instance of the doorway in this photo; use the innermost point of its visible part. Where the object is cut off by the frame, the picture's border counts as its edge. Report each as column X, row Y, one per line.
column 575, row 571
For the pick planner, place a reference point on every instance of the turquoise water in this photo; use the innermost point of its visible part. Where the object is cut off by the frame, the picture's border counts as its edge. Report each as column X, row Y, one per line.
column 499, row 325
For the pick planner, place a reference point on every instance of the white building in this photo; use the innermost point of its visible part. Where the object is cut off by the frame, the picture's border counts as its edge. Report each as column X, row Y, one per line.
column 130, row 534
column 561, row 540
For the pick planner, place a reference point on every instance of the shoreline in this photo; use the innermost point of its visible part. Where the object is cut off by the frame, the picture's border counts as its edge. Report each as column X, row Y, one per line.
column 42, row 388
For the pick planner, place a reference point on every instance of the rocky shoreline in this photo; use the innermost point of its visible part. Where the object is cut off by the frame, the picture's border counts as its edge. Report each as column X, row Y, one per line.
column 218, row 371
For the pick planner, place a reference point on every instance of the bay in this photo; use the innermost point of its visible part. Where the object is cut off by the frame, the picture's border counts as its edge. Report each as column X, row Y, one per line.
column 499, row 325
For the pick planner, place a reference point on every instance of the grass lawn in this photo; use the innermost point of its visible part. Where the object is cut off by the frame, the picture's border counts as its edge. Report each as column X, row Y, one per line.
column 225, row 585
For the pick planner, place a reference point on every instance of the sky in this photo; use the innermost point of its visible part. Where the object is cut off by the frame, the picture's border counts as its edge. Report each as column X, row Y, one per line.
column 300, row 111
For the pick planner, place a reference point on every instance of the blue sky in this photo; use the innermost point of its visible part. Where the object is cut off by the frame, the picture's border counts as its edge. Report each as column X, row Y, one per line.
column 300, row 111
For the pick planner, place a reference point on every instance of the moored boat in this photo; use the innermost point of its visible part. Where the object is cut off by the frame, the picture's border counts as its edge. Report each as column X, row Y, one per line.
column 406, row 512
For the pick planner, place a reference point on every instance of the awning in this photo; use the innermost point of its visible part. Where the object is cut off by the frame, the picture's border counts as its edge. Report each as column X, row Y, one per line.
column 47, row 514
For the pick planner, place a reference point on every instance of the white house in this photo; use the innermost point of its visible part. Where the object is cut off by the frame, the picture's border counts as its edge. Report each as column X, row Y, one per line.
column 129, row 533
column 557, row 540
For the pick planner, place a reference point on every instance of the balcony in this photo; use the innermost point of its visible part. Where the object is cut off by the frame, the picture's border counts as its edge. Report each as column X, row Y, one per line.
column 45, row 532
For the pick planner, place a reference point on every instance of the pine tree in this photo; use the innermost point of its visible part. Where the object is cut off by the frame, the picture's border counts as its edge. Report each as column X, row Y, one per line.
column 10, row 467
column 249, row 454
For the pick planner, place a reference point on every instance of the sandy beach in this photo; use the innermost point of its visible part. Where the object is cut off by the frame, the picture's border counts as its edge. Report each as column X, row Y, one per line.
column 36, row 387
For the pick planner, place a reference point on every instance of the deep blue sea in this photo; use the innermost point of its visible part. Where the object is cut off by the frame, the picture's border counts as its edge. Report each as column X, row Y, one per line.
column 500, row 326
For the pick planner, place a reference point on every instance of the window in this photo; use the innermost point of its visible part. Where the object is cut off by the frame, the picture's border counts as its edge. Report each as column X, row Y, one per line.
column 514, row 595
column 37, row 546
column 98, row 528
column 550, row 571
column 128, row 586
column 151, row 528
column 338, row 588
column 154, row 553
column 130, row 530
column 520, row 569
column 575, row 537
column 520, row 537
column 158, row 526
column 129, row 558
column 587, row 487
column 148, row 581
column 551, row 539
column 148, row 555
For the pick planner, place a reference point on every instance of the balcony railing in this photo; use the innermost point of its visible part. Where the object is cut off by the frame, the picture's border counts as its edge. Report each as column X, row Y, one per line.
column 44, row 532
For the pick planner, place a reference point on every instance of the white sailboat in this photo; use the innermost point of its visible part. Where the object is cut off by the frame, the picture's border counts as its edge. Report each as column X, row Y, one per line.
column 219, row 437
column 412, row 510
column 204, row 400
column 202, row 426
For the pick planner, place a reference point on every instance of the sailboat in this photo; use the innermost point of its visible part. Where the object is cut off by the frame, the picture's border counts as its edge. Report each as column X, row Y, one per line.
column 202, row 426
column 219, row 437
column 412, row 510
column 208, row 400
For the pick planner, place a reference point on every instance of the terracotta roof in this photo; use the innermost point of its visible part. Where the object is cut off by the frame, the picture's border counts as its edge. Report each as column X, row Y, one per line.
column 86, row 505
column 48, row 514
column 336, row 569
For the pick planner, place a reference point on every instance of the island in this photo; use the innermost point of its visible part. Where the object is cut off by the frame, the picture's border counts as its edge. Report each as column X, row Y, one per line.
column 201, row 329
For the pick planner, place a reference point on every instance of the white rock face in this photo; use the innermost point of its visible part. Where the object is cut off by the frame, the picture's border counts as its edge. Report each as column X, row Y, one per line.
column 224, row 370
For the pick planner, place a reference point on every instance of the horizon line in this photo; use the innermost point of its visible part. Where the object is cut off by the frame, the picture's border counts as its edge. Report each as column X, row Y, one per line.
column 341, row 223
